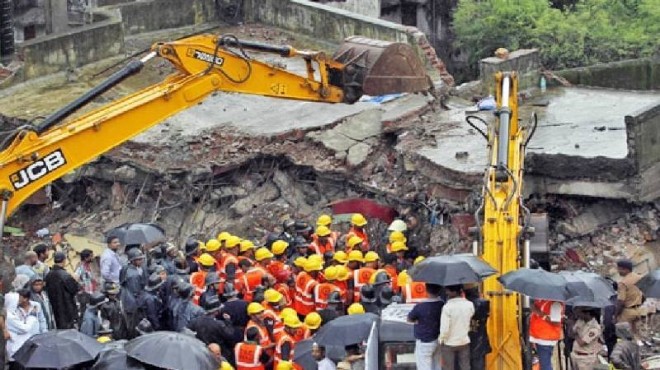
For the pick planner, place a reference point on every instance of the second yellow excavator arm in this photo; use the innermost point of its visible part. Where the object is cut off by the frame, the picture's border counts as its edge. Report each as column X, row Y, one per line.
column 35, row 156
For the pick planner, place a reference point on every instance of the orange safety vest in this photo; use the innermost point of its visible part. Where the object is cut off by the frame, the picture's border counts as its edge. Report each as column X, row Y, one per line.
column 319, row 248
column 300, row 333
column 542, row 329
column 304, row 301
column 198, row 280
column 322, row 293
column 278, row 349
column 229, row 259
column 391, row 270
column 362, row 235
column 263, row 333
column 415, row 292
column 250, row 281
column 361, row 277
column 276, row 267
column 278, row 325
column 248, row 356
column 284, row 289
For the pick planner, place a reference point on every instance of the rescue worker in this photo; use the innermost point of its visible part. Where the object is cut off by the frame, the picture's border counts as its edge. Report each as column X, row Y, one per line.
column 368, row 299
column 273, row 305
column 358, row 222
column 230, row 269
column 321, row 241
column 354, row 242
column 323, row 290
column 298, row 265
column 151, row 304
column 186, row 311
column 279, row 250
column 361, row 275
column 286, row 344
column 371, row 260
column 222, row 238
column 625, row 355
column 198, row 279
column 133, row 279
column 326, row 221
column 313, row 323
column 254, row 274
column 288, row 232
column 212, row 284
column 334, row 309
column 411, row 291
column 355, row 309
column 399, row 249
column 395, row 236
column 587, row 333
column 259, row 321
column 250, row 354
column 545, row 330
column 301, row 248
column 236, row 309
column 629, row 297
column 171, row 252
column 380, row 280
column 389, row 265
column 246, row 250
column 343, row 282
column 264, row 257
column 306, row 282
column 192, row 249
column 304, row 230
column 113, row 312
column 340, row 258
column 214, row 248
column 479, row 343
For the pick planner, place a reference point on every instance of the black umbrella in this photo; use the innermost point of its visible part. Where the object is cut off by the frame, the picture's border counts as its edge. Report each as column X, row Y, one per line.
column 136, row 234
column 592, row 289
column 650, row 284
column 303, row 353
column 451, row 270
column 114, row 356
column 171, row 350
column 57, row 349
column 538, row 284
column 346, row 330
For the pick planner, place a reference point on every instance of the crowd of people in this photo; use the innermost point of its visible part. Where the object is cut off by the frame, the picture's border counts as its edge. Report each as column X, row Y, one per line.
column 250, row 303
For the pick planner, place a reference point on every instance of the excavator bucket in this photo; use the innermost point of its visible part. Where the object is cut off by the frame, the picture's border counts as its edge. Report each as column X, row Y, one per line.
column 381, row 67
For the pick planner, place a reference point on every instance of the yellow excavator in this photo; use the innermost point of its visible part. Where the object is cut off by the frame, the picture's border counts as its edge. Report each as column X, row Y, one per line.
column 503, row 226
column 33, row 156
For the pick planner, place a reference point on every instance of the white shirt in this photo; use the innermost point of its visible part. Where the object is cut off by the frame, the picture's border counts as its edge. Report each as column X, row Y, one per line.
column 326, row 364
column 455, row 322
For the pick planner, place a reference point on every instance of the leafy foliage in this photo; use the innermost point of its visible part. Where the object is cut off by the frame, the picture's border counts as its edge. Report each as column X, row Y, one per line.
column 584, row 32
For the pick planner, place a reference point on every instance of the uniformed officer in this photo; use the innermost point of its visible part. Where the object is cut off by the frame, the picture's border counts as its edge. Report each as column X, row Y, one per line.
column 629, row 297
column 479, row 343
column 587, row 344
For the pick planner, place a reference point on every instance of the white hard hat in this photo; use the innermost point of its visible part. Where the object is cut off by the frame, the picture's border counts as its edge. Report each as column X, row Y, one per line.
column 397, row 225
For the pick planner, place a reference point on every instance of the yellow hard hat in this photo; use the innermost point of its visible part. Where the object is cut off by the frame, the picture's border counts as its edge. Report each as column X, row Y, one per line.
column 418, row 260
column 340, row 256
column 353, row 241
column 288, row 311
column 212, row 245
column 104, row 339
column 255, row 308
column 403, row 278
column 316, row 257
column 206, row 260
column 223, row 236
column 313, row 265
column 358, row 219
column 233, row 242
column 246, row 245
column 279, row 247
column 226, row 366
column 398, row 247
column 356, row 309
column 313, row 320
column 323, row 231
column 262, row 253
column 284, row 365
column 371, row 256
column 355, row 255
column 397, row 236
column 324, row 220
column 342, row 273
column 300, row 262
column 292, row 321
column 272, row 296
column 330, row 273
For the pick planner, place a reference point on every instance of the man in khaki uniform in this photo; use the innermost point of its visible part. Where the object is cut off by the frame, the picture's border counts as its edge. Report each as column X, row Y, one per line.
column 587, row 333
column 629, row 297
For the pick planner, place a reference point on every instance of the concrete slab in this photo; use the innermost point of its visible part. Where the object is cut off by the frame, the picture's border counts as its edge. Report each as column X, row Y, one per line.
column 576, row 126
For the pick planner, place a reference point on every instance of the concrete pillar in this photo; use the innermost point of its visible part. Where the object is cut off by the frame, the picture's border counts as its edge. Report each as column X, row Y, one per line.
column 57, row 16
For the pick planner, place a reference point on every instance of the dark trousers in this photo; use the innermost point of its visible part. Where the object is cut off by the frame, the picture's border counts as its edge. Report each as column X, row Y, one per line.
column 477, row 362
column 460, row 354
